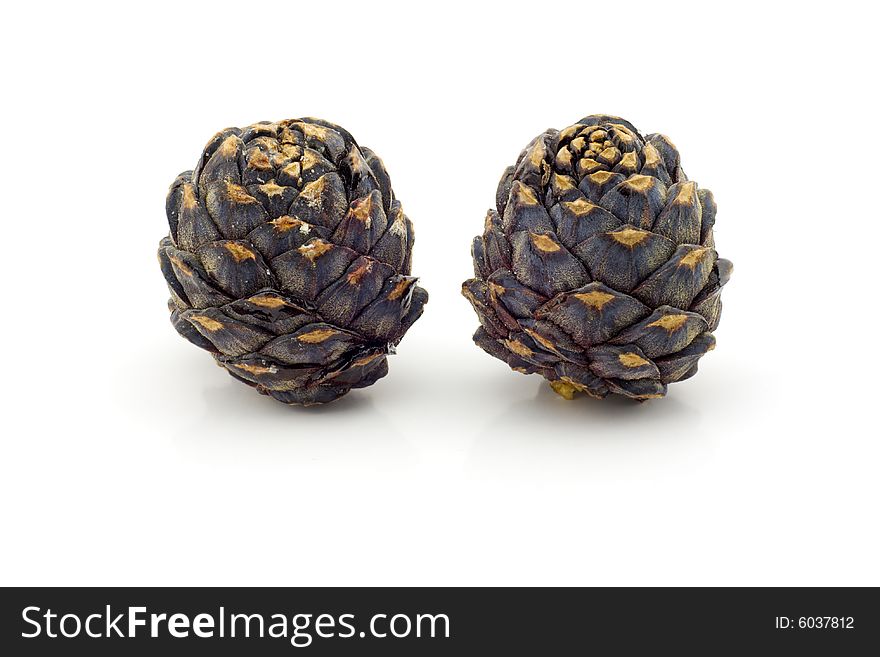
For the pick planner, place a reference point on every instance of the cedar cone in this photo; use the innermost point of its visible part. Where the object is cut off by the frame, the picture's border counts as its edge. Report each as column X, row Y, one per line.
column 288, row 259
column 598, row 268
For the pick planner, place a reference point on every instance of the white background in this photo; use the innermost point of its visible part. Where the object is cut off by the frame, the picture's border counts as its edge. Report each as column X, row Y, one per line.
column 128, row 458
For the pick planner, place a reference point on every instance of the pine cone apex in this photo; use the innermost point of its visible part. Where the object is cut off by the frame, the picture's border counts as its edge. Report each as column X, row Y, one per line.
column 289, row 259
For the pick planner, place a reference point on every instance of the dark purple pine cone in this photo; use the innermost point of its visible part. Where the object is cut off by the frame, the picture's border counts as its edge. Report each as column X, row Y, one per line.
column 288, row 259
column 598, row 269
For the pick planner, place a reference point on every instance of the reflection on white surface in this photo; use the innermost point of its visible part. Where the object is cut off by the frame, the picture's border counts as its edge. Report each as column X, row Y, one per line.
column 222, row 421
column 586, row 438
column 477, row 417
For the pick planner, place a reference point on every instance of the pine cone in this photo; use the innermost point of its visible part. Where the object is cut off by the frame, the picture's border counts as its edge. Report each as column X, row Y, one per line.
column 598, row 269
column 289, row 260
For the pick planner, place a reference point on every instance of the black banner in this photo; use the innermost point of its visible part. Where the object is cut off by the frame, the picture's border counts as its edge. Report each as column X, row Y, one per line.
column 444, row 621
